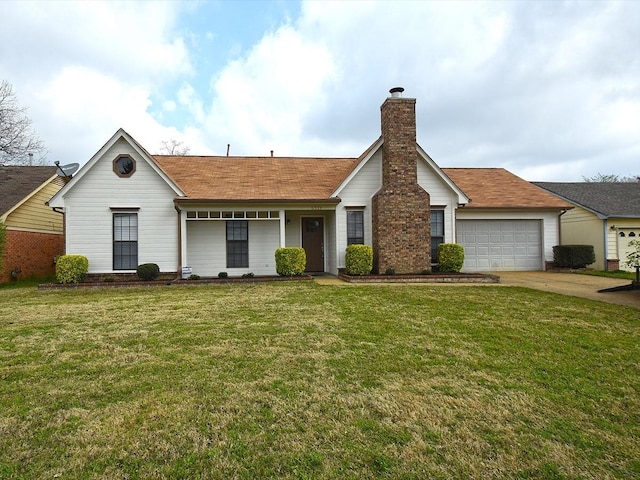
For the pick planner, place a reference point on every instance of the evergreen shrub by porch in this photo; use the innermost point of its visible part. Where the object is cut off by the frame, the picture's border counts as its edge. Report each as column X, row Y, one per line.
column 450, row 257
column 573, row 256
column 148, row 271
column 358, row 259
column 290, row 261
column 71, row 268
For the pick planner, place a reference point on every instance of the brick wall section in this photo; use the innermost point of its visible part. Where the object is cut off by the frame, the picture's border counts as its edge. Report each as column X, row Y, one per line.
column 32, row 252
column 401, row 216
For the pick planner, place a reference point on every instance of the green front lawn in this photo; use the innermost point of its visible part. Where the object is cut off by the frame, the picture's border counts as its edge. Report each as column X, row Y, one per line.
column 299, row 380
column 610, row 274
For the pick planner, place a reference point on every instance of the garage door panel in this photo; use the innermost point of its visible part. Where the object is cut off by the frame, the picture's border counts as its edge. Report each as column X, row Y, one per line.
column 501, row 244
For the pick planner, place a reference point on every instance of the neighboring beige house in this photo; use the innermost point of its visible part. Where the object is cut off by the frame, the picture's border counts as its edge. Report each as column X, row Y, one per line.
column 211, row 214
column 606, row 215
column 34, row 232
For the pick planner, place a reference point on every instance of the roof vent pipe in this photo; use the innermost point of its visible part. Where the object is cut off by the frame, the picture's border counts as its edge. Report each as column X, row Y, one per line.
column 396, row 92
column 228, row 147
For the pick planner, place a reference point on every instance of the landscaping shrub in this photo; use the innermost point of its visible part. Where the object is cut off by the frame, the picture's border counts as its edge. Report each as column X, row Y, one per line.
column 450, row 257
column 148, row 271
column 390, row 271
column 290, row 261
column 358, row 260
column 194, row 276
column 71, row 268
column 223, row 275
column 573, row 256
column 248, row 275
column 3, row 242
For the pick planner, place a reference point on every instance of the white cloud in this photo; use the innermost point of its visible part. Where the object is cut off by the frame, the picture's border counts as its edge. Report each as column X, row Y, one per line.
column 549, row 90
column 87, row 68
column 261, row 100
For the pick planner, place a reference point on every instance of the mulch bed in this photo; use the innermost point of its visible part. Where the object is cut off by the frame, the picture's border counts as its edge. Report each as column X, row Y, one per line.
column 429, row 278
column 154, row 283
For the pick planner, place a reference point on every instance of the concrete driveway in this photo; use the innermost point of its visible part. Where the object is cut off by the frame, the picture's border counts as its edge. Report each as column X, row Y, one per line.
column 585, row 286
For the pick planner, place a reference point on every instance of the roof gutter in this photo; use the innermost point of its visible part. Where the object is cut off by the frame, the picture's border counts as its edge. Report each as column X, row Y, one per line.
column 187, row 201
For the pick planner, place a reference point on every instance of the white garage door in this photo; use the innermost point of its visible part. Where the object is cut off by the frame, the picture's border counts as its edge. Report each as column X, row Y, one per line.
column 495, row 245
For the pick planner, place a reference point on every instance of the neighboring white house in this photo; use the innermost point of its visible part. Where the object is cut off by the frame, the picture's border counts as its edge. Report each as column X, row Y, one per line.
column 217, row 214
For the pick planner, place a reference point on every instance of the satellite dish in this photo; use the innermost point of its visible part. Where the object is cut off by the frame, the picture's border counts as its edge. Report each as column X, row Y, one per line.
column 67, row 170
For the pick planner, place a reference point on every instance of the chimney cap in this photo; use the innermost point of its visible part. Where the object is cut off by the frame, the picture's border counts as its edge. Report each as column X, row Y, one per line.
column 396, row 92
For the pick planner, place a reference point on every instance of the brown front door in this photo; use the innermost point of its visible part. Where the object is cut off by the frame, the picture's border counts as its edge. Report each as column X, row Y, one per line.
column 313, row 243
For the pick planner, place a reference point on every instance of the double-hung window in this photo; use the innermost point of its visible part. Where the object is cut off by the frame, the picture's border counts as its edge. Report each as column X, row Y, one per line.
column 237, row 244
column 125, row 241
column 437, row 233
column 355, row 227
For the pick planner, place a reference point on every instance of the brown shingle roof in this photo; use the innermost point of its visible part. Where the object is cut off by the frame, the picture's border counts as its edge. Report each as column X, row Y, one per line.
column 256, row 178
column 499, row 188
column 16, row 183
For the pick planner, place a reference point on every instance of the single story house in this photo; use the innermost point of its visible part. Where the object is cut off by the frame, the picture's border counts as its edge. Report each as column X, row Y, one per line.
column 34, row 234
column 229, row 214
column 605, row 215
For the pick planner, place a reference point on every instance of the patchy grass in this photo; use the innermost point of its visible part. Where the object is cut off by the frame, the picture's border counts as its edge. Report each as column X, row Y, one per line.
column 295, row 380
column 610, row 274
column 27, row 282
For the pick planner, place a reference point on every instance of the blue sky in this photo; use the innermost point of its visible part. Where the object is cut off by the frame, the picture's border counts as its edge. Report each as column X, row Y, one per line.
column 548, row 90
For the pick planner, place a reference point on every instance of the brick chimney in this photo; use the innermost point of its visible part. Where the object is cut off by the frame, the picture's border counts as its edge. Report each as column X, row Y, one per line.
column 401, row 216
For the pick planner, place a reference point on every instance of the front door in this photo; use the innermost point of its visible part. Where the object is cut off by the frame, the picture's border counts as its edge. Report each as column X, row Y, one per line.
column 313, row 243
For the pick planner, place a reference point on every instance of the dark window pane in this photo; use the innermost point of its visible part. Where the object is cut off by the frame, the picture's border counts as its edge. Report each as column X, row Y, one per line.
column 355, row 227
column 437, row 233
column 237, row 244
column 125, row 241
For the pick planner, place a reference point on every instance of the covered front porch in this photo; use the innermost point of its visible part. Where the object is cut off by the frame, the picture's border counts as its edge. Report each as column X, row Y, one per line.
column 241, row 238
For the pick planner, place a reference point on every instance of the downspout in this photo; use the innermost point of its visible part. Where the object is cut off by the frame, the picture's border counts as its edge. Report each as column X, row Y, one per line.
column 179, row 272
column 559, row 233
column 605, row 227
column 64, row 227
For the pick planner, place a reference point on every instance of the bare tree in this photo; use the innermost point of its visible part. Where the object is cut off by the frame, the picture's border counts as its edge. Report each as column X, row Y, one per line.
column 611, row 177
column 174, row 147
column 19, row 145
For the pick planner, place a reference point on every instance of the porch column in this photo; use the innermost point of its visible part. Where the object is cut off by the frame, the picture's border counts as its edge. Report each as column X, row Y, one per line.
column 283, row 223
column 183, row 241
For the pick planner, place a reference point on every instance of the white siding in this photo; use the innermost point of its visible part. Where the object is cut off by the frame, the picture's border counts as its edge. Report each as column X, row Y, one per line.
column 439, row 195
column 549, row 219
column 359, row 191
column 207, row 248
column 89, row 224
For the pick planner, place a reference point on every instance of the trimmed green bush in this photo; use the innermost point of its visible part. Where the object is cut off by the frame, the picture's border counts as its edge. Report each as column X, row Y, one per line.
column 148, row 271
column 290, row 261
column 223, row 275
column 450, row 257
column 3, row 242
column 71, row 268
column 358, row 260
column 573, row 256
